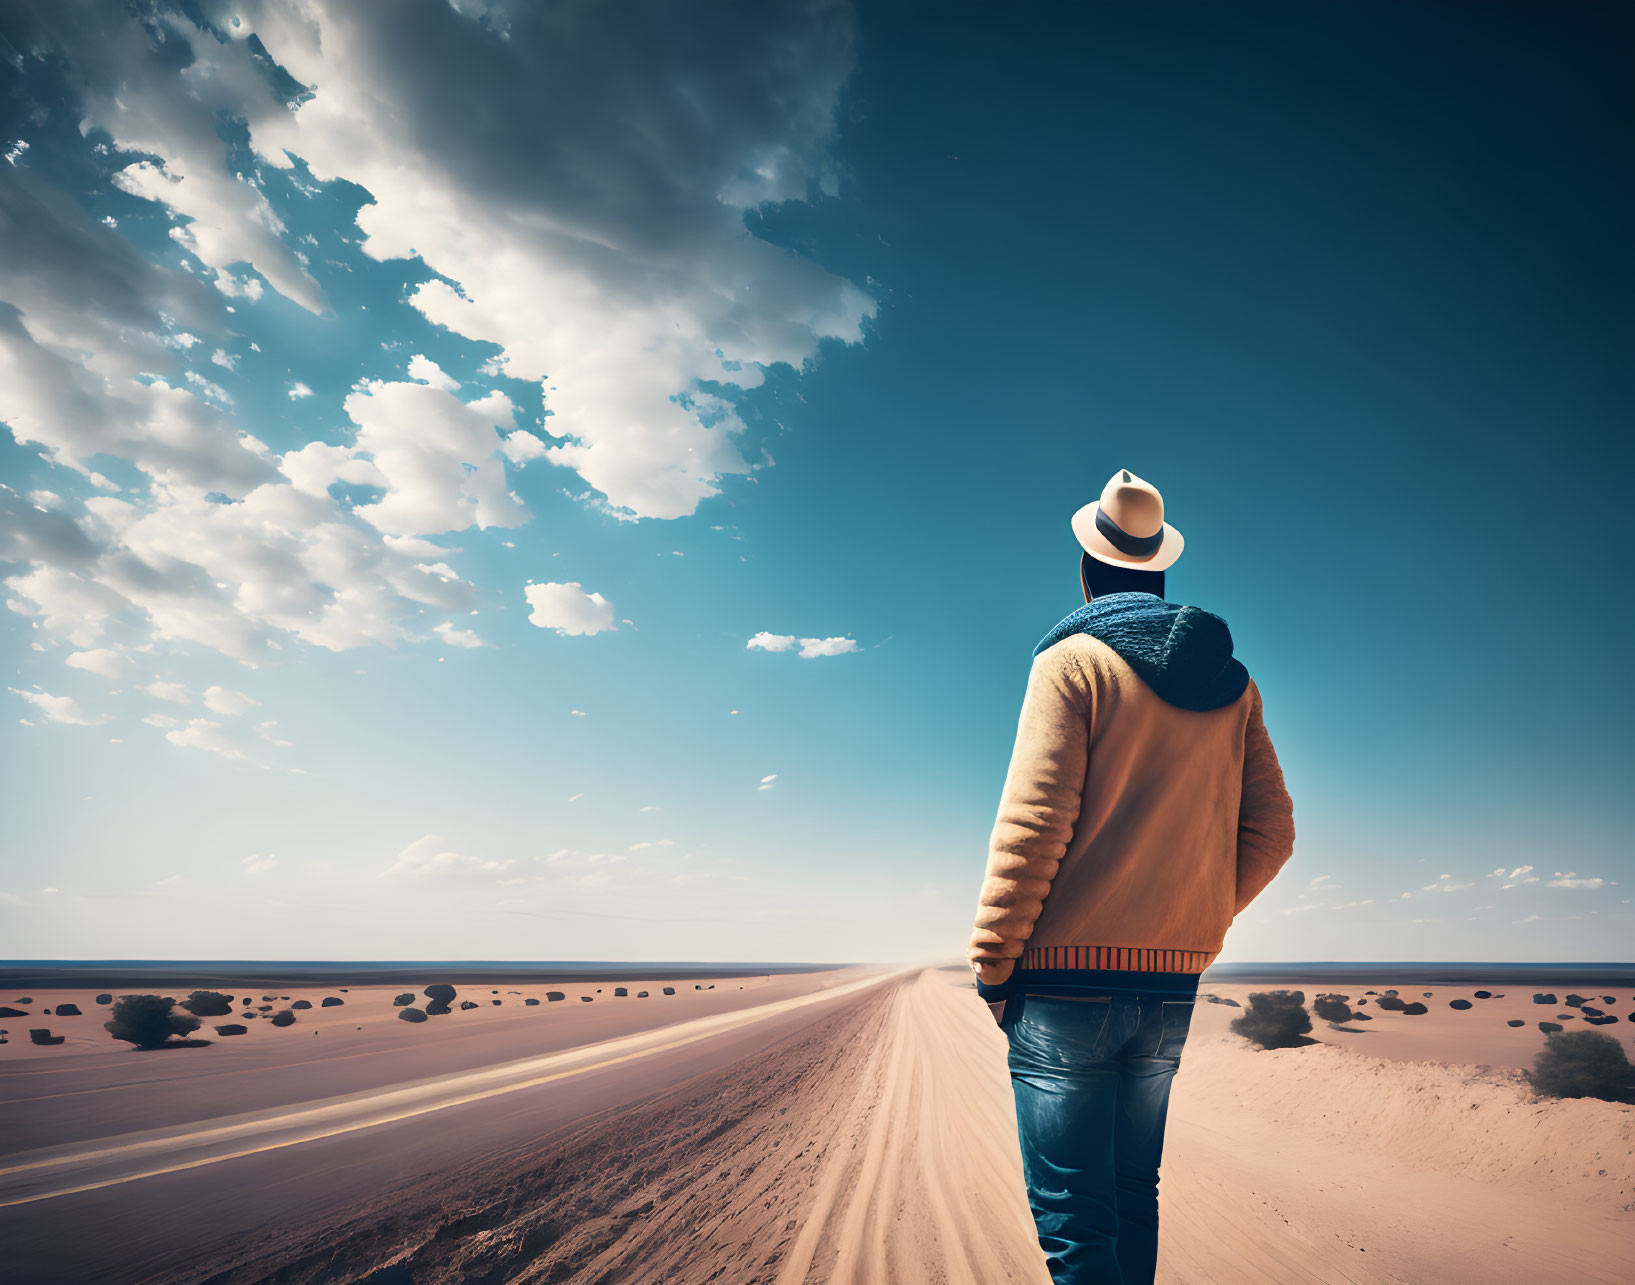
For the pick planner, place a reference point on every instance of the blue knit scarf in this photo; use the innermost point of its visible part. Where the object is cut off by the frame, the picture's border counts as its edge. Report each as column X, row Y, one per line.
column 1182, row 653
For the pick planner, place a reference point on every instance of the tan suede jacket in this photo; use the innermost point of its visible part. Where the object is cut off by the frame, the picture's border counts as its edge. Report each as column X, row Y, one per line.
column 1130, row 832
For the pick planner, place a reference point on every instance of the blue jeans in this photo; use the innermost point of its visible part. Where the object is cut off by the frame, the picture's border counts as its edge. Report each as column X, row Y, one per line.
column 1091, row 1068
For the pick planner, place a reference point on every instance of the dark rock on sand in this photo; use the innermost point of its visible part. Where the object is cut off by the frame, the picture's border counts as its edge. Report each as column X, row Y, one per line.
column 43, row 1035
column 208, row 1004
column 1587, row 1011
column 1392, row 1004
column 1426, row 994
column 231, row 1028
column 1609, row 999
column 1361, row 1017
column 1415, row 1009
column 407, row 997
column 284, row 1017
column 1222, row 999
column 496, row 1001
column 1549, row 1028
column 68, row 1010
column 330, row 1001
column 440, row 993
column 1574, row 1001
column 1515, row 1021
column 24, row 999
column 622, row 991
column 1484, row 994
column 553, row 996
column 669, row 990
column 588, row 998
column 302, row 1003
column 467, row 1003
column 105, row 998
column 8, row 1011
column 641, row 994
column 411, row 1015
column 1542, row 998
column 1603, row 1020
column 1459, row 1003
column 530, row 1001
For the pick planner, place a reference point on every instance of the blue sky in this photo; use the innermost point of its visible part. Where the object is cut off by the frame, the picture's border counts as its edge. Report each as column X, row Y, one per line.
column 415, row 425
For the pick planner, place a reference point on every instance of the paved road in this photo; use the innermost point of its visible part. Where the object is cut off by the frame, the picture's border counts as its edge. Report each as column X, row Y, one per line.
column 173, row 1193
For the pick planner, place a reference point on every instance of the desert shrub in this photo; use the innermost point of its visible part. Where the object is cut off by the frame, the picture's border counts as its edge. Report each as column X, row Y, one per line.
column 208, row 1004
column 1583, row 1064
column 1332, row 1008
column 147, row 1021
column 1274, row 1019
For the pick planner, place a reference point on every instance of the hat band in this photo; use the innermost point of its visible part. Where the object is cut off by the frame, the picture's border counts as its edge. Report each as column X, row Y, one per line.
column 1123, row 541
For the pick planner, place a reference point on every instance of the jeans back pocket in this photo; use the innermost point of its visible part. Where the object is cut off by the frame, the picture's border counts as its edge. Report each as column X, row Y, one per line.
column 1175, row 1023
column 1062, row 1029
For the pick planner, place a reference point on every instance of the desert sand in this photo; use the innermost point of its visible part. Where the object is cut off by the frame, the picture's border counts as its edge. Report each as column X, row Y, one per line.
column 845, row 1126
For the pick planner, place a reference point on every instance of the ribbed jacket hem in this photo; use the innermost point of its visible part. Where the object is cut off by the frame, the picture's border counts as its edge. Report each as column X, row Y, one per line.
column 1140, row 959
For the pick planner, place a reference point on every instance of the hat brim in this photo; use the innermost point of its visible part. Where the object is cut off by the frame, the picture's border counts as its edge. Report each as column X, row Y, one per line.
column 1098, row 546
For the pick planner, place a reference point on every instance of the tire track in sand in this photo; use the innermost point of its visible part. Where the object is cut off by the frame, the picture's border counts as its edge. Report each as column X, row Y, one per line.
column 923, row 1181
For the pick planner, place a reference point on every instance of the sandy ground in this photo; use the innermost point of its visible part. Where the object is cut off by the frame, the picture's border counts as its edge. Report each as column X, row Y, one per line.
column 847, row 1128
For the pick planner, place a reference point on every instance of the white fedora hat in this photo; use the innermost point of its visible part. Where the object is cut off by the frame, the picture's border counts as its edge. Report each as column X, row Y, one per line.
column 1126, row 526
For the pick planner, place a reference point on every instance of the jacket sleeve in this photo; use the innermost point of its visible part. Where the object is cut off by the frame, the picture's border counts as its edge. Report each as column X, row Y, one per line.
column 1266, row 814
column 1043, row 791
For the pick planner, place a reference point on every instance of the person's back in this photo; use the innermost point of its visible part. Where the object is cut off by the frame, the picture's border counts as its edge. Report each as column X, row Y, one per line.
column 1143, row 809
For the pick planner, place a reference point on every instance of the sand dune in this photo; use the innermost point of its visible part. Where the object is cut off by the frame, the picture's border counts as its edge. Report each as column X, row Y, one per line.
column 864, row 1135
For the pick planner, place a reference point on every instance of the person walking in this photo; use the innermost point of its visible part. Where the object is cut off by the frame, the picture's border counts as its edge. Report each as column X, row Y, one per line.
column 1143, row 809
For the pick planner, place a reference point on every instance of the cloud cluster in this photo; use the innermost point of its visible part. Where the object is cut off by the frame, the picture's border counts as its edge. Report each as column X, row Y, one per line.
column 809, row 648
column 579, row 196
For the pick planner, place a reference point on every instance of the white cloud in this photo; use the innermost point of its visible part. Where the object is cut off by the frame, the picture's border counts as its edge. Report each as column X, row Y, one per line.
column 101, row 660
column 426, row 371
column 224, row 701
column 1446, row 883
column 60, row 709
column 175, row 693
column 299, row 391
column 810, row 648
column 466, row 638
column 206, row 734
column 568, row 609
column 259, row 865
column 1573, row 880
column 426, row 858
column 814, row 647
